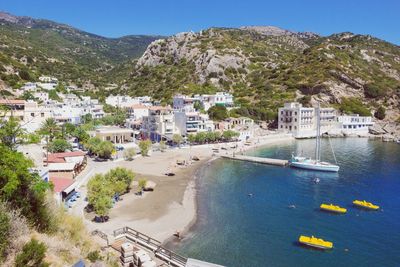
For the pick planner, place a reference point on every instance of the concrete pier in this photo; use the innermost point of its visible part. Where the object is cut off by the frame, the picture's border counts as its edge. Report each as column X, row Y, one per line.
column 268, row 161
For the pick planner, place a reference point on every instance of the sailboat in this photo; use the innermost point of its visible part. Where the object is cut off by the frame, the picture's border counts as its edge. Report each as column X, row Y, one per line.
column 315, row 164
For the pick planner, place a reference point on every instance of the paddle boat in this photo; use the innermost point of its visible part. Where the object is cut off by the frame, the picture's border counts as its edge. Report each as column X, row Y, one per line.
column 332, row 208
column 315, row 242
column 365, row 204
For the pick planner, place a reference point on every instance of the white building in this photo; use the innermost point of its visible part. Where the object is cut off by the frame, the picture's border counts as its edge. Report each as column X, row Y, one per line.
column 42, row 96
column 159, row 124
column 355, row 124
column 183, row 102
column 29, row 113
column 138, row 111
column 121, row 101
column 301, row 121
column 34, row 116
column 48, row 79
column 193, row 122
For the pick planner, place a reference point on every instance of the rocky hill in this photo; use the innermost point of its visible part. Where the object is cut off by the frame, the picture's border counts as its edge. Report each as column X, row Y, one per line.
column 265, row 66
column 42, row 47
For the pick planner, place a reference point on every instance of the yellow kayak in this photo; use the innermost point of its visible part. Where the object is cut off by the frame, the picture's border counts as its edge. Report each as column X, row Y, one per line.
column 315, row 242
column 365, row 204
column 332, row 208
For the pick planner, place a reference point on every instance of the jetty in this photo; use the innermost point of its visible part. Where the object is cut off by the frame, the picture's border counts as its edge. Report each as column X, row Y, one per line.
column 268, row 161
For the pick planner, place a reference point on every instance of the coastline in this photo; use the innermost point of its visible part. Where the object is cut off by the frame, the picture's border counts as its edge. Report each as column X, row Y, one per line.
column 172, row 206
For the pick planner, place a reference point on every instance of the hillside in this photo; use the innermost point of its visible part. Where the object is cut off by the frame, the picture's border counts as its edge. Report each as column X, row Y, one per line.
column 42, row 47
column 265, row 66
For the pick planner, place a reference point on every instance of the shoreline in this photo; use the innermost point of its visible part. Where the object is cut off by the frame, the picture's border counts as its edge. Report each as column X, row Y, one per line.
column 173, row 206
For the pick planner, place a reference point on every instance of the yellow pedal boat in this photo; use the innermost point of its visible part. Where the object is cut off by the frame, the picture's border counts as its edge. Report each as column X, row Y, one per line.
column 332, row 208
column 365, row 204
column 315, row 242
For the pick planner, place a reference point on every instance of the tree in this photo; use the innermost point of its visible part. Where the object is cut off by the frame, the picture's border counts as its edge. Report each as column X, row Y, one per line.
column 105, row 149
column 163, row 146
column 229, row 135
column 86, row 118
column 144, row 146
column 49, row 128
column 142, row 184
column 92, row 144
column 33, row 254
column 59, row 145
column 380, row 113
column 121, row 174
column 81, row 134
column 11, row 133
column 69, row 128
column 32, row 138
column 129, row 153
column 218, row 113
column 191, row 138
column 177, row 139
column 102, row 188
column 24, row 75
column 4, row 231
column 24, row 190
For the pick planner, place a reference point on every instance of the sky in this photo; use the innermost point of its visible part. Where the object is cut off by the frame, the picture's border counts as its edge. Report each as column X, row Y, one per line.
column 115, row 18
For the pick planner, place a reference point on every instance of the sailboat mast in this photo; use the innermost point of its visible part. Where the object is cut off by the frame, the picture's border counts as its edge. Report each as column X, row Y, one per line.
column 318, row 137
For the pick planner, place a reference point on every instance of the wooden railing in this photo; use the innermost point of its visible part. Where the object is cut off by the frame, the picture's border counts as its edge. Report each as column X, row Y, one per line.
column 152, row 244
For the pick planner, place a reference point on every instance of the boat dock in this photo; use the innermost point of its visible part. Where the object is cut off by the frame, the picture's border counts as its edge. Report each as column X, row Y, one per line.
column 130, row 235
column 268, row 161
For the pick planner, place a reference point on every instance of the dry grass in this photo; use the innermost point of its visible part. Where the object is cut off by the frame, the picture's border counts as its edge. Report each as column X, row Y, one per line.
column 68, row 243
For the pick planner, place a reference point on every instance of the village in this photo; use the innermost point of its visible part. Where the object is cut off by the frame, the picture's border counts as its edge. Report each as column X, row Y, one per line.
column 135, row 119
column 133, row 145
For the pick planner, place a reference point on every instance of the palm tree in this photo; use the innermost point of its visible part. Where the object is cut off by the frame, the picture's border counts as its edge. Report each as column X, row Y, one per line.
column 49, row 128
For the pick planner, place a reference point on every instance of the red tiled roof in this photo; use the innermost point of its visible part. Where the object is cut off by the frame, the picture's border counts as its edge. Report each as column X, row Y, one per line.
column 60, row 183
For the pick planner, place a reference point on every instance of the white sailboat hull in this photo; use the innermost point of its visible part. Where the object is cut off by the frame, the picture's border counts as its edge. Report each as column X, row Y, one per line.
column 315, row 166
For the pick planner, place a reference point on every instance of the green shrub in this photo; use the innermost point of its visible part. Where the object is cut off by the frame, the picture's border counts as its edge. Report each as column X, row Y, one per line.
column 218, row 113
column 94, row 256
column 59, row 145
column 32, row 255
column 372, row 90
column 354, row 106
column 4, row 231
column 380, row 113
column 129, row 153
column 145, row 146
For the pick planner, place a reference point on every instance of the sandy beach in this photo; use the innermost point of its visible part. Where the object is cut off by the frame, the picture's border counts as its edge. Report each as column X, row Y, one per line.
column 171, row 206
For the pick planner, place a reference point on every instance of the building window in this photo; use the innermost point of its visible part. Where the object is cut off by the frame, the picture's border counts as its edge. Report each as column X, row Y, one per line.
column 32, row 114
column 42, row 114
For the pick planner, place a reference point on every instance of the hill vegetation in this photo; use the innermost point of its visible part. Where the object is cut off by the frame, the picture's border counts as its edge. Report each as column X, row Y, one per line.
column 262, row 66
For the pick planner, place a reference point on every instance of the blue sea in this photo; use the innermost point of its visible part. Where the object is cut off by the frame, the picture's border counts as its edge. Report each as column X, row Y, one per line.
column 235, row 229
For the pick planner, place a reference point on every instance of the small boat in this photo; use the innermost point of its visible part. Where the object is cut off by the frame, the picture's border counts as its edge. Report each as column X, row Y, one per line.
column 332, row 208
column 315, row 242
column 365, row 204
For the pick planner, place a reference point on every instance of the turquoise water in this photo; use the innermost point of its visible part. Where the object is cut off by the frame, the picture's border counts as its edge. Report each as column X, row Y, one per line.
column 234, row 229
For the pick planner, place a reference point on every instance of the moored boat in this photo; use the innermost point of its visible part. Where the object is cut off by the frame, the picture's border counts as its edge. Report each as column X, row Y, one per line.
column 365, row 204
column 332, row 208
column 315, row 164
column 315, row 242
